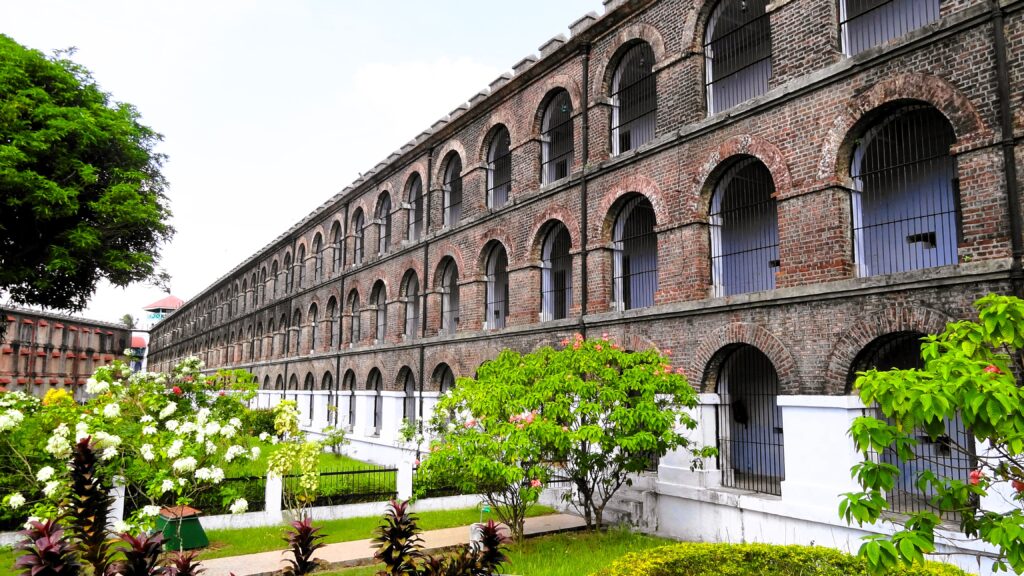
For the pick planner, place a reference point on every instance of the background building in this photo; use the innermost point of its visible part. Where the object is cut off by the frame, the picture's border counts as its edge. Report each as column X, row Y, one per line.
column 782, row 194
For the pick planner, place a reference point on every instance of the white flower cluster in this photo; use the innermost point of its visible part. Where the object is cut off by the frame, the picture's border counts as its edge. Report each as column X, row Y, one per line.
column 147, row 452
column 187, row 464
column 150, row 511
column 93, row 386
column 166, row 486
column 213, row 475
column 174, row 450
column 234, row 451
column 149, row 430
column 45, row 473
column 168, row 410
column 15, row 500
column 111, row 411
column 10, row 419
column 239, row 506
column 58, row 444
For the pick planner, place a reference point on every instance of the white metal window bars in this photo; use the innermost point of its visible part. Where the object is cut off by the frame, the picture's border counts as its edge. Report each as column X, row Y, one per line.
column 499, row 169
column 634, row 99
column 354, row 332
column 412, row 306
column 635, row 255
column 557, row 138
column 380, row 312
column 497, row 288
column 868, row 23
column 358, row 229
column 556, row 274
column 415, row 199
column 377, row 386
column 384, row 218
column 453, row 191
column 449, row 298
column 737, row 53
column 409, row 399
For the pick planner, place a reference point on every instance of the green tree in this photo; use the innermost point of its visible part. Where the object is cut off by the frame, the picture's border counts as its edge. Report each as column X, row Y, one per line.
column 128, row 321
column 968, row 373
column 590, row 411
column 81, row 192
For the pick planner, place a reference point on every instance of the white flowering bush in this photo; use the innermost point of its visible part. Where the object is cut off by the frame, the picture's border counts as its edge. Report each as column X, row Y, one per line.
column 167, row 437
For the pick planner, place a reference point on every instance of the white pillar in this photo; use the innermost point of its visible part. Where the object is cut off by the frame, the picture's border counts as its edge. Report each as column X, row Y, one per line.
column 404, row 478
column 819, row 451
column 116, row 513
column 273, row 493
column 391, row 417
column 364, row 413
column 320, row 402
column 674, row 467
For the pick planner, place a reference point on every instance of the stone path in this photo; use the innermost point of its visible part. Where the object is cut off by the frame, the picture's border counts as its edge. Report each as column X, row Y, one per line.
column 360, row 552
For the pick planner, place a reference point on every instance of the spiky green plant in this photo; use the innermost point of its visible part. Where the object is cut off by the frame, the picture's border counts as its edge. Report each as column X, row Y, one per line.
column 302, row 541
column 89, row 506
column 491, row 554
column 398, row 540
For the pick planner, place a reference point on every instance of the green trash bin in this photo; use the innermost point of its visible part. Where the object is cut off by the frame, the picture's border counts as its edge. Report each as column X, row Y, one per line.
column 181, row 528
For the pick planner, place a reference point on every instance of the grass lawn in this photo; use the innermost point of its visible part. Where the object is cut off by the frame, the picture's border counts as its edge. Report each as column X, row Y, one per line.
column 252, row 540
column 328, row 462
column 567, row 554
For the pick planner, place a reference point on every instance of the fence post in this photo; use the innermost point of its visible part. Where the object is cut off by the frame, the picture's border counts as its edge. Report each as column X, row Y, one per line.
column 116, row 513
column 404, row 479
column 273, row 493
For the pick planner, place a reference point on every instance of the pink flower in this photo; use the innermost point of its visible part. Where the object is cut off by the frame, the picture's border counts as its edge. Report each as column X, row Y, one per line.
column 176, row 390
column 535, row 483
column 992, row 369
column 667, row 351
column 470, row 423
column 187, row 378
column 529, row 417
column 221, row 393
column 975, row 476
column 597, row 347
column 1018, row 486
column 416, row 462
column 565, row 428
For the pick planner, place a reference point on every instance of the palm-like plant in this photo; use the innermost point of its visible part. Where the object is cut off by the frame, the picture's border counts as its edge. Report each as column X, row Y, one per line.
column 89, row 507
column 398, row 540
column 46, row 551
column 302, row 540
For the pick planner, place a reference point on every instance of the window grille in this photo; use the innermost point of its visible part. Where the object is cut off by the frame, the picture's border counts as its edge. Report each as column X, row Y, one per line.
column 412, row 305
column 868, row 23
column 328, row 384
column 744, row 230
column 635, row 255
column 556, row 139
column 331, row 309
column 444, row 377
column 556, row 274
column 453, row 191
column 737, row 53
column 273, row 283
column 634, row 99
column 313, row 316
column 318, row 263
column 497, row 288
column 308, row 386
column 354, row 334
column 384, row 217
column 499, row 169
column 358, row 228
column 951, row 455
column 336, row 239
column 288, row 277
column 449, row 298
column 905, row 201
column 349, row 384
column 409, row 400
column 750, row 437
column 415, row 230
column 263, row 286
column 381, row 311
column 375, row 384
column 297, row 325
column 300, row 265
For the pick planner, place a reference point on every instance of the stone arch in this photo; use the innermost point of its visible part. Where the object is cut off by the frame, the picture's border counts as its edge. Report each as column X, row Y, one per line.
column 542, row 224
column 861, row 109
column 546, row 91
column 612, row 199
column 695, row 24
column 418, row 167
column 486, row 239
column 713, row 350
column 624, row 40
column 498, row 118
column 718, row 161
column 894, row 318
column 447, row 250
column 453, row 145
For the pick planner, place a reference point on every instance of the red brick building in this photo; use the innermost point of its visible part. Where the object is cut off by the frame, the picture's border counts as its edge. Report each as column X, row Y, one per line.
column 781, row 193
column 43, row 350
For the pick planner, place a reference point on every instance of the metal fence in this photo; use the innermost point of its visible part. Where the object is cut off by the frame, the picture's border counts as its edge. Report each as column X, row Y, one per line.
column 373, row 484
column 433, row 488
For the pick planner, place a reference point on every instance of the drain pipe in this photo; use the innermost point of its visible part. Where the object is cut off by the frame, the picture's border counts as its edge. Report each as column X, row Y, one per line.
column 423, row 286
column 585, row 151
column 1006, row 143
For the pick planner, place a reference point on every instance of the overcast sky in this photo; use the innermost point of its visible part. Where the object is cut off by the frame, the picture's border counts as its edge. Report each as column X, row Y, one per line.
column 268, row 108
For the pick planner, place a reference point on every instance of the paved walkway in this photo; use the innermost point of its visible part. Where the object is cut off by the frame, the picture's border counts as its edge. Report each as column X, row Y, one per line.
column 360, row 552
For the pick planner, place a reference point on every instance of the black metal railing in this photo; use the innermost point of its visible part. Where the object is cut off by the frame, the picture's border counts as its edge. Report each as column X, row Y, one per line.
column 433, row 487
column 738, row 54
column 634, row 100
column 556, row 287
column 744, row 230
column 749, row 423
column 868, row 23
column 373, row 484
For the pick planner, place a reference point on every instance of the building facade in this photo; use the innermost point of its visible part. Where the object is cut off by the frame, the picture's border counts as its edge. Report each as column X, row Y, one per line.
column 780, row 193
column 42, row 350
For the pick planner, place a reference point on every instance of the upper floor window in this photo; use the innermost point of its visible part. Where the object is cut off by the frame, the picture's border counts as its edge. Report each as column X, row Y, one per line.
column 313, row 327
column 354, row 332
column 383, row 216
column 288, row 275
column 332, row 309
column 410, row 294
column 263, row 285
column 300, row 265
column 409, row 395
column 634, row 99
column 635, row 255
column 499, row 168
column 905, row 199
column 556, row 274
column 376, row 383
column 273, row 281
column 453, row 191
column 744, row 230
column 336, row 240
column 556, row 138
column 449, row 288
column 868, row 23
column 737, row 52
column 378, row 299
column 497, row 287
column 318, row 255
column 414, row 196
column 358, row 231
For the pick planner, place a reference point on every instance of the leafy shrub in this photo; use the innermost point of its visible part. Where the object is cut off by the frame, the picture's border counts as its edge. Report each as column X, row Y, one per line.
column 257, row 421
column 699, row 559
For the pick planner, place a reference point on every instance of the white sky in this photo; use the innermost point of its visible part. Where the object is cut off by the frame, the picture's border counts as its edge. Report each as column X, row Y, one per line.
column 270, row 108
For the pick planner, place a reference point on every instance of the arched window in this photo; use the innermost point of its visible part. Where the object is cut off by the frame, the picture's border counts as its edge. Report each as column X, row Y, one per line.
column 750, row 440
column 259, row 341
column 414, row 195
column 499, row 168
column 634, row 99
column 737, row 53
column 375, row 383
column 744, row 230
column 409, row 398
column 254, row 299
column 266, row 382
column 332, row 310
column 635, row 255
column 556, row 139
column 349, row 385
column 358, row 226
column 245, row 293
column 556, row 274
column 497, row 288
column 279, row 384
column 949, row 455
column 449, row 288
column 313, row 317
column 293, row 385
column 868, row 23
column 300, row 265
column 318, row 255
column 410, row 296
column 308, row 386
column 383, row 216
column 288, row 273
column 296, row 327
column 378, row 299
column 252, row 342
column 444, row 377
column 263, row 285
column 283, row 325
column 327, row 383
column 453, row 191
column 336, row 239
column 270, row 331
column 905, row 199
column 354, row 332
column 274, row 279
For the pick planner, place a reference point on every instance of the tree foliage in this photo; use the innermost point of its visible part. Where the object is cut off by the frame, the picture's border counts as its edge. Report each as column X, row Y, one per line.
column 590, row 411
column 81, row 192
column 969, row 372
